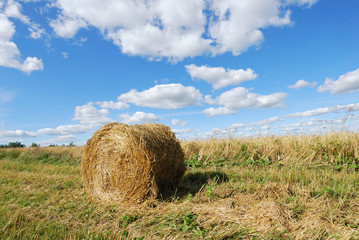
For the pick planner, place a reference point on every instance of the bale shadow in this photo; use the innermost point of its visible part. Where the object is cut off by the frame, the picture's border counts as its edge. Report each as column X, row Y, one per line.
column 192, row 183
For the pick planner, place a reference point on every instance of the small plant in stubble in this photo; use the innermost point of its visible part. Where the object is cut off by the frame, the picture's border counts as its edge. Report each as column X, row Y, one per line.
column 193, row 162
column 190, row 224
column 124, row 223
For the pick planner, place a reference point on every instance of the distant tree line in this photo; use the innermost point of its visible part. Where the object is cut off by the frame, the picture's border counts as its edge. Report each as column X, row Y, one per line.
column 20, row 145
column 13, row 145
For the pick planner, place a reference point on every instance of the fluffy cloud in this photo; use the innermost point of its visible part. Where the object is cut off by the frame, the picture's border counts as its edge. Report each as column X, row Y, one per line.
column 347, row 83
column 211, row 112
column 31, row 64
column 88, row 114
column 17, row 134
column 302, row 83
column 138, row 117
column 9, row 53
column 240, row 97
column 67, row 27
column 182, row 131
column 105, row 14
column 113, row 105
column 154, row 43
column 13, row 10
column 239, row 22
column 174, row 29
column 220, row 77
column 154, row 29
column 66, row 129
column 178, row 122
column 166, row 96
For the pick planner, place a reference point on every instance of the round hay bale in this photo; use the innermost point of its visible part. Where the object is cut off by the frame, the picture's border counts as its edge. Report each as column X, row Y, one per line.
column 132, row 163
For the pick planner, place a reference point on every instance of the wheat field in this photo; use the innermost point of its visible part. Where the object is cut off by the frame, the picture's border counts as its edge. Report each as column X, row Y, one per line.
column 272, row 187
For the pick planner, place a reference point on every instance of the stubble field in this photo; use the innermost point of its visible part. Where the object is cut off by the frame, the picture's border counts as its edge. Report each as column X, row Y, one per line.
column 288, row 187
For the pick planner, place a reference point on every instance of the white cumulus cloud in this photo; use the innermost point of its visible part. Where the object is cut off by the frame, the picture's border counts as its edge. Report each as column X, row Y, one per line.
column 240, row 97
column 154, row 29
column 88, row 114
column 220, row 77
column 17, row 134
column 113, row 105
column 178, row 122
column 347, row 83
column 13, row 10
column 138, row 117
column 211, row 112
column 302, row 83
column 174, row 29
column 181, row 131
column 31, row 64
column 166, row 96
column 9, row 53
column 240, row 22
column 66, row 129
column 67, row 27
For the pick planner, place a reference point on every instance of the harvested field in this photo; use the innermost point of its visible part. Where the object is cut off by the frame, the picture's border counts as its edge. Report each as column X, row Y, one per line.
column 290, row 187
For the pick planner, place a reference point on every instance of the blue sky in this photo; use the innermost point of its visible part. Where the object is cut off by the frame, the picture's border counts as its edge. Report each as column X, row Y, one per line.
column 206, row 68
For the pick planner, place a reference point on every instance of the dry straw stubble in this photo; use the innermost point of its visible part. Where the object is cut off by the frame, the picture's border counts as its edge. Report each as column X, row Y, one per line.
column 129, row 164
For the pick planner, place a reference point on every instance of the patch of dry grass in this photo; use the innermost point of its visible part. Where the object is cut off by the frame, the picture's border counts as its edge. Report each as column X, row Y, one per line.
column 308, row 150
column 291, row 187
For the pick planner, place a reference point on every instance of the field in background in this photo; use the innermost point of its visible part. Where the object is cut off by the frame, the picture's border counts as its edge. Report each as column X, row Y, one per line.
column 290, row 187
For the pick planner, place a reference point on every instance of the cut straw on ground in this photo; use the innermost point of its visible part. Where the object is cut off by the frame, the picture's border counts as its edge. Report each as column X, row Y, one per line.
column 287, row 187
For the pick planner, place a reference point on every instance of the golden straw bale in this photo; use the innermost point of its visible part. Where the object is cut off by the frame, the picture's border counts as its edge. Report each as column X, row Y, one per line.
column 132, row 163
